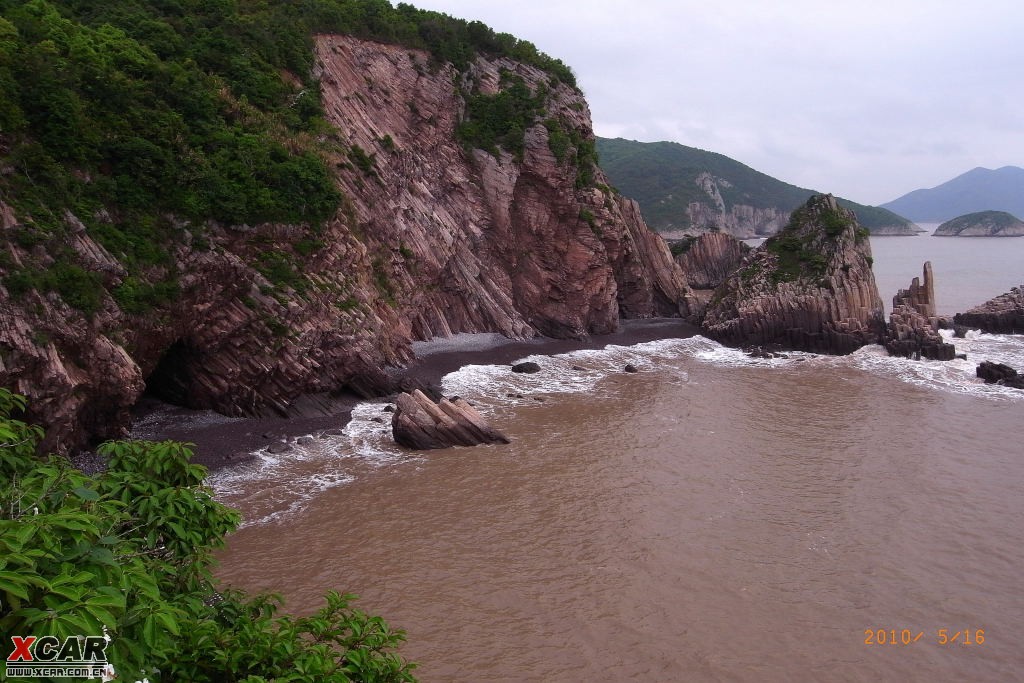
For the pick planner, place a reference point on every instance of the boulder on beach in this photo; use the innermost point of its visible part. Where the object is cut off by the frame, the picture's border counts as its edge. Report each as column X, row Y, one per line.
column 421, row 424
column 529, row 367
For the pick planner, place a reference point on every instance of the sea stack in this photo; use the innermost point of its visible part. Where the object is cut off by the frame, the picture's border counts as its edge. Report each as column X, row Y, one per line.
column 810, row 287
column 1001, row 315
column 913, row 330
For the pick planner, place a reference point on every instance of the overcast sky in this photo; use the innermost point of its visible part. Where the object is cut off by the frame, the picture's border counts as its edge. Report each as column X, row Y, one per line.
column 866, row 99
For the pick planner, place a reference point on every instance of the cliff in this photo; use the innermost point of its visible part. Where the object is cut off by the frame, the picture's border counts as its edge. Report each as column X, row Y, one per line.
column 432, row 237
column 1001, row 315
column 707, row 260
column 913, row 329
column 982, row 224
column 810, row 287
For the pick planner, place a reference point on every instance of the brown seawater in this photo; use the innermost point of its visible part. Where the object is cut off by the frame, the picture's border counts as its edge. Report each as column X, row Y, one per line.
column 711, row 518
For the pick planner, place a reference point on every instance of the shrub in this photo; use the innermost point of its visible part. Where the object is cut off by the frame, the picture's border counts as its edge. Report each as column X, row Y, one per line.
column 129, row 551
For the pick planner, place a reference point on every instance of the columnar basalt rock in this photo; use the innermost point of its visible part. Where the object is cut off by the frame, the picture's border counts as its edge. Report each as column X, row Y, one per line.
column 913, row 329
column 810, row 287
column 1001, row 315
column 711, row 258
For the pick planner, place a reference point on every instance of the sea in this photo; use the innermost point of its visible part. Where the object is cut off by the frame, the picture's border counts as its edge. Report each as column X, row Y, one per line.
column 712, row 517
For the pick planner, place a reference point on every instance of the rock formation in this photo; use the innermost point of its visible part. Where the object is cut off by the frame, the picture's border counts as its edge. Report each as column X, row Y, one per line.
column 421, row 424
column 430, row 239
column 982, row 224
column 997, row 373
column 1001, row 315
column 913, row 329
column 810, row 287
column 710, row 258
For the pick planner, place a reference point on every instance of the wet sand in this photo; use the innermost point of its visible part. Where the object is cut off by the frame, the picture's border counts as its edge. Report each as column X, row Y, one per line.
column 221, row 441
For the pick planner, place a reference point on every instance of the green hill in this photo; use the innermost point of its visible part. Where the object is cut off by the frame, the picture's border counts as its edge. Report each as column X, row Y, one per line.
column 664, row 177
column 982, row 224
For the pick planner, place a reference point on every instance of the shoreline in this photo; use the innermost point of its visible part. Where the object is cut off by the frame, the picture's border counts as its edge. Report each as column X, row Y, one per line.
column 221, row 441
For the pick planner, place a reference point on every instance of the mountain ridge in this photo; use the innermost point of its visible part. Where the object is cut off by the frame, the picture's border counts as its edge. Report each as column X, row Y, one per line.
column 686, row 188
column 980, row 189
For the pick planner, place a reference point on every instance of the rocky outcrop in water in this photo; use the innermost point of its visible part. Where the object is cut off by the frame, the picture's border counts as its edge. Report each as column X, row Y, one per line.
column 982, row 224
column 431, row 239
column 1001, row 315
column 709, row 259
column 997, row 373
column 810, row 287
column 913, row 329
column 421, row 424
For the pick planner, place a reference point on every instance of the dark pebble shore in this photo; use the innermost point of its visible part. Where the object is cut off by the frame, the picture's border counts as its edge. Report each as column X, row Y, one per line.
column 221, row 441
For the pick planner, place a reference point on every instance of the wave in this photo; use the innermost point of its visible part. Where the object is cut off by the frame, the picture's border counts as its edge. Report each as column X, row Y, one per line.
column 314, row 464
column 276, row 486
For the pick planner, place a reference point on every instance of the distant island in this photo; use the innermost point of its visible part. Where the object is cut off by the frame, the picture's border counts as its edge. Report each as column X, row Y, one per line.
column 980, row 189
column 982, row 224
column 694, row 190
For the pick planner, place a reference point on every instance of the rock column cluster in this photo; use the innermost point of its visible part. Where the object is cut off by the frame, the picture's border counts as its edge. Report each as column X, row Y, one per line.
column 913, row 329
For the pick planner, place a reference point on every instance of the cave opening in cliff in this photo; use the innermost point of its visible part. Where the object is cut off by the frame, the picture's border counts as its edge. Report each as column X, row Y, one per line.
column 171, row 379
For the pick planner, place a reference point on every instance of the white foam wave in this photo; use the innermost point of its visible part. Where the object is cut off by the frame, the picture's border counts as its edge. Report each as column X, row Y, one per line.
column 576, row 372
column 275, row 486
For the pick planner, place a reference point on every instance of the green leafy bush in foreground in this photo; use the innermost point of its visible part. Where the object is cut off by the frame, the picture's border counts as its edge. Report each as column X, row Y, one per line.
column 129, row 550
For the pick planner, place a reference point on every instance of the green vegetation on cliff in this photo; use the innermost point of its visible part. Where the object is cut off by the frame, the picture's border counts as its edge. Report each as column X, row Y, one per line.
column 129, row 551
column 663, row 178
column 147, row 118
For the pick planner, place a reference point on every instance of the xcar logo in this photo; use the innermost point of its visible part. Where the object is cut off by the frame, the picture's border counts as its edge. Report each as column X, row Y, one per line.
column 49, row 657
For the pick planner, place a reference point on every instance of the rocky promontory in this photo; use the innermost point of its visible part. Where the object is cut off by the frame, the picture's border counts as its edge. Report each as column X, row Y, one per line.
column 982, row 224
column 913, row 329
column 809, row 287
column 1001, row 315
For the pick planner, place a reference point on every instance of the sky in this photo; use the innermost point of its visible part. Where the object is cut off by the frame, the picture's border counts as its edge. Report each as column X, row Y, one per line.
column 866, row 99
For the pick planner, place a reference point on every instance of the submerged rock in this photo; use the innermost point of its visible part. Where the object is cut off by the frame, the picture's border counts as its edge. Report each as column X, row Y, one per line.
column 810, row 287
column 420, row 424
column 1001, row 315
column 528, row 368
column 913, row 329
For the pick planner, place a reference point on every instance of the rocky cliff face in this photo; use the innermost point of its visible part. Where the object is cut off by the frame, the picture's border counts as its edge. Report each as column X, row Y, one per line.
column 431, row 240
column 810, row 287
column 913, row 329
column 1001, row 315
column 500, row 244
column 740, row 220
column 710, row 259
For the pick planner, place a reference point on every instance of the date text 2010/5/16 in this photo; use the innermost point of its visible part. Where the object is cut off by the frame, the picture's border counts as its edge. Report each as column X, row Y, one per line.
column 906, row 636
